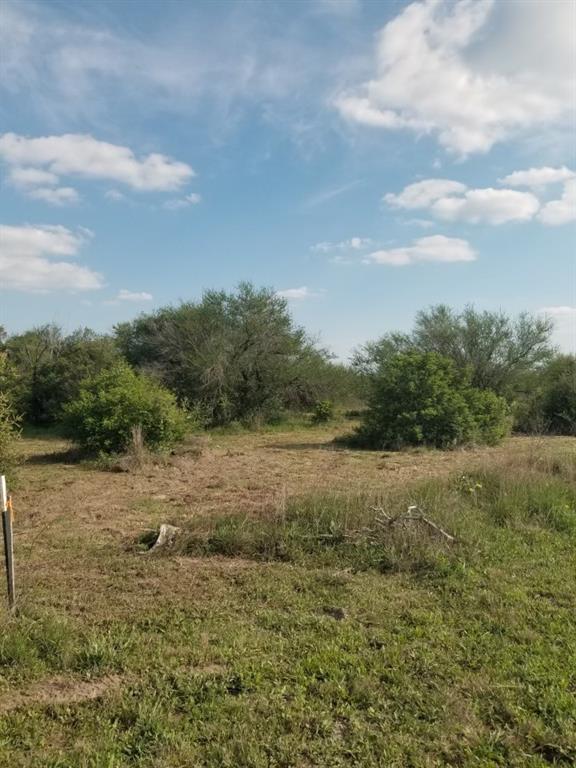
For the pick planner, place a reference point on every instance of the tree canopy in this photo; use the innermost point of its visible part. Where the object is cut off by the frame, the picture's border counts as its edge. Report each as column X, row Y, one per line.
column 495, row 348
column 239, row 354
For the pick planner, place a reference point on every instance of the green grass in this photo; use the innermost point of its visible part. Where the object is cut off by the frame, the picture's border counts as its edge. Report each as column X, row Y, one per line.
column 305, row 640
column 344, row 531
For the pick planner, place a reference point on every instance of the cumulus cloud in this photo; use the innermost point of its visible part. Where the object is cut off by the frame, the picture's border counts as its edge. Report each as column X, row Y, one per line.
column 421, row 194
column 27, row 259
column 487, row 206
column 435, row 248
column 298, row 294
column 563, row 210
column 84, row 156
column 125, row 295
column 470, row 72
column 452, row 201
column 352, row 244
column 537, row 177
column 26, row 177
column 565, row 326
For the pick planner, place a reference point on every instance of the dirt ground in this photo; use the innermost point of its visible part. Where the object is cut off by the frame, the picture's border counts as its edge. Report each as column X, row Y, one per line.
column 232, row 472
column 64, row 507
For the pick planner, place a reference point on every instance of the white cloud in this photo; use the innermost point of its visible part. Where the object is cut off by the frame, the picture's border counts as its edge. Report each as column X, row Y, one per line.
column 298, row 294
column 537, row 177
column 25, row 177
column 452, row 201
column 26, row 259
column 185, row 202
column 55, row 195
column 421, row 194
column 470, row 72
column 87, row 69
column 84, row 156
column 352, row 244
column 565, row 326
column 489, row 206
column 562, row 211
column 125, row 295
column 435, row 248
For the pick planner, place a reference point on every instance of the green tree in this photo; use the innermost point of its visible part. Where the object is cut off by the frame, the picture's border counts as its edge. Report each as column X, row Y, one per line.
column 559, row 396
column 48, row 368
column 113, row 402
column 496, row 350
column 425, row 399
column 238, row 354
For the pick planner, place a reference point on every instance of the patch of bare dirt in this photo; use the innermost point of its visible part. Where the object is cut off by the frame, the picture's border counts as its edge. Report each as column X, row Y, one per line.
column 59, row 690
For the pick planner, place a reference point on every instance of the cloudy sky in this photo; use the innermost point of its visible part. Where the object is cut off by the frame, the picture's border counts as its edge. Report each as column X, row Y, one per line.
column 366, row 159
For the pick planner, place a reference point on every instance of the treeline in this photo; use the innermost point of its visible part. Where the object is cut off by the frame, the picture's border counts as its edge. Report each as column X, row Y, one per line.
column 231, row 357
column 240, row 357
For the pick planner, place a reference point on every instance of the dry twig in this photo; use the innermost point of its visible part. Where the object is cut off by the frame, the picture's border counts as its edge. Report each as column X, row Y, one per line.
column 413, row 514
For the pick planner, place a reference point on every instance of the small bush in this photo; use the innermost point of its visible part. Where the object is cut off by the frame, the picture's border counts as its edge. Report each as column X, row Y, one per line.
column 9, row 435
column 423, row 399
column 115, row 402
column 323, row 412
column 491, row 416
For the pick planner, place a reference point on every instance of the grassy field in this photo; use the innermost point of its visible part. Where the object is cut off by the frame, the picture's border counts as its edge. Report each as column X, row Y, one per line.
column 292, row 624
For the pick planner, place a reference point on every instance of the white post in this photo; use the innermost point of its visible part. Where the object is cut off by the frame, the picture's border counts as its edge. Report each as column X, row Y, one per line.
column 8, row 541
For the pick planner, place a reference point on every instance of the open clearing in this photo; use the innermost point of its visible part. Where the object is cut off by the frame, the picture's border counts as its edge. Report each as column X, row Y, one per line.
column 117, row 658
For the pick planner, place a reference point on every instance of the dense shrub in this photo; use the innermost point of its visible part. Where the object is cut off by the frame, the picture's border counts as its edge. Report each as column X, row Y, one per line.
column 8, row 424
column 491, row 415
column 424, row 399
column 495, row 350
column 559, row 398
column 548, row 404
column 113, row 403
column 8, row 435
column 48, row 367
column 323, row 412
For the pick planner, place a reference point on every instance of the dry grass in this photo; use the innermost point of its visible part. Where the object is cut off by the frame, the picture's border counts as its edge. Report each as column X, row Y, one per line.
column 312, row 659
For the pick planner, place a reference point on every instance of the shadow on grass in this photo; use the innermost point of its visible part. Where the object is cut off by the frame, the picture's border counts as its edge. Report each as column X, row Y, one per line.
column 43, row 432
column 329, row 446
column 66, row 456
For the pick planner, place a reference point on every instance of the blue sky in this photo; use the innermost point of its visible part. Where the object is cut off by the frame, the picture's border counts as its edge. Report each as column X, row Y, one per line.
column 366, row 159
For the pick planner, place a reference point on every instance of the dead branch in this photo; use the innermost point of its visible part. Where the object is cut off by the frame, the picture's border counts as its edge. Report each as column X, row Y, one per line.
column 413, row 514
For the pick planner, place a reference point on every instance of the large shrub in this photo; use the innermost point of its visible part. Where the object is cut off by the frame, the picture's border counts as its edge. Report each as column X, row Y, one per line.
column 8, row 435
column 559, row 397
column 548, row 403
column 47, row 368
column 111, row 404
column 9, row 432
column 424, row 399
column 496, row 351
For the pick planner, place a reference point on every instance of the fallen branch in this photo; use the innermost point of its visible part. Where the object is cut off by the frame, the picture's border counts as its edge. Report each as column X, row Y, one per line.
column 413, row 514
